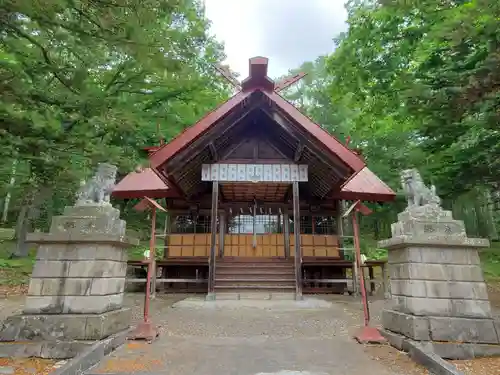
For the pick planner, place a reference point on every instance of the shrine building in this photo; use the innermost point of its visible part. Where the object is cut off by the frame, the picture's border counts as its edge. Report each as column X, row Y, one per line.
column 255, row 192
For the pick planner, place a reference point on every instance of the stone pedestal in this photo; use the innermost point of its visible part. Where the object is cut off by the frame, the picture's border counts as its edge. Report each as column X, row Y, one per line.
column 437, row 285
column 78, row 281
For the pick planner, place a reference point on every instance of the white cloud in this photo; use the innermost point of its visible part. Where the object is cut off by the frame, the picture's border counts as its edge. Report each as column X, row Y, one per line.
column 288, row 32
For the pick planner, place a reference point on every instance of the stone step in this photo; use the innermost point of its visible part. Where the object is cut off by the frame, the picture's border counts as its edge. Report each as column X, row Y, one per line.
column 255, row 260
column 256, row 267
column 256, row 295
column 255, row 276
column 253, row 282
column 253, row 288
column 264, row 272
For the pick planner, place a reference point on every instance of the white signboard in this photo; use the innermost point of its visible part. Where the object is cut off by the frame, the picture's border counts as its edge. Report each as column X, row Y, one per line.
column 254, row 172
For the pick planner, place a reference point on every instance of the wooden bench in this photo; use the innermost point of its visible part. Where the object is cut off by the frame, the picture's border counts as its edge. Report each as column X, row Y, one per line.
column 160, row 265
column 344, row 265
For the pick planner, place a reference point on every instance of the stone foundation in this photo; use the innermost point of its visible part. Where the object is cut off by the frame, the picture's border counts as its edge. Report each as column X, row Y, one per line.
column 78, row 281
column 65, row 327
column 438, row 291
column 446, row 350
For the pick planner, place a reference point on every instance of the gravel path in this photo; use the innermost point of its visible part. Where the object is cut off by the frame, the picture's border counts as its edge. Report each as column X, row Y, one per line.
column 247, row 341
column 258, row 341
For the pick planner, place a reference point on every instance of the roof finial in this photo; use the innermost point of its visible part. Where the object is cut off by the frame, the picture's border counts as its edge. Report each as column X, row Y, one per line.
column 257, row 77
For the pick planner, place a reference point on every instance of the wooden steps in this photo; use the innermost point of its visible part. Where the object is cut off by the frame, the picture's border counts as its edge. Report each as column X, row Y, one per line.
column 240, row 276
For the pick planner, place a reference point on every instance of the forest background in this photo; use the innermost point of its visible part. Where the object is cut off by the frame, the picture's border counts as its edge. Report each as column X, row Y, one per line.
column 410, row 84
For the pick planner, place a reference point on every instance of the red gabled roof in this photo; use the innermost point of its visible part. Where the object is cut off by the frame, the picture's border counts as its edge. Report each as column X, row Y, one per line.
column 257, row 81
column 169, row 149
column 318, row 133
column 365, row 185
column 140, row 184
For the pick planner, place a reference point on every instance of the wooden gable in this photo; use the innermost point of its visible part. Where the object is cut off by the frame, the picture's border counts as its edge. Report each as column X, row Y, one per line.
column 256, row 124
column 254, row 149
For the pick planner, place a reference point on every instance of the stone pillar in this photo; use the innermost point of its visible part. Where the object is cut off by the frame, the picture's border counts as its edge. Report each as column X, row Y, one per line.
column 438, row 289
column 78, row 281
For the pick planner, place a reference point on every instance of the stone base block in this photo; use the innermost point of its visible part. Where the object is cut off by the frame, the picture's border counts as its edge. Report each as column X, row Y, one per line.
column 43, row 349
column 64, row 327
column 446, row 350
column 86, row 304
column 451, row 350
column 446, row 307
column 467, row 330
column 444, row 329
column 414, row 327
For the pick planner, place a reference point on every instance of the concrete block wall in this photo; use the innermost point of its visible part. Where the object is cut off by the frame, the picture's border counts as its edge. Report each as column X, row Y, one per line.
column 437, row 285
column 439, row 293
column 438, row 281
column 77, row 278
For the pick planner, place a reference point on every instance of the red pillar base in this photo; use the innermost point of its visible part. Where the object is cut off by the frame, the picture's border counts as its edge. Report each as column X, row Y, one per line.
column 144, row 331
column 370, row 335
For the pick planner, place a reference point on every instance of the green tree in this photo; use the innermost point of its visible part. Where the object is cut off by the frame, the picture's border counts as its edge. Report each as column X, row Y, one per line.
column 86, row 81
column 414, row 84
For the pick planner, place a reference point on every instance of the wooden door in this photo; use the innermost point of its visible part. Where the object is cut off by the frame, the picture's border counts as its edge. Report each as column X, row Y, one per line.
column 259, row 237
column 264, row 245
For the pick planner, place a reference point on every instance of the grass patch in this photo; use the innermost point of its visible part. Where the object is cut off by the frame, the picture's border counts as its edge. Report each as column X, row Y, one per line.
column 14, row 271
column 490, row 260
column 17, row 271
column 6, row 234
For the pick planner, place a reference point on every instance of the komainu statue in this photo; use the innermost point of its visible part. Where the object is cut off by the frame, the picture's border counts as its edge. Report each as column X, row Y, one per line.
column 97, row 191
column 416, row 192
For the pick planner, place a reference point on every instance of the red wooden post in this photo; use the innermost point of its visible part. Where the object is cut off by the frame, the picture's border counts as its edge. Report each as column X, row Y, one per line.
column 146, row 330
column 366, row 310
column 147, row 295
column 367, row 334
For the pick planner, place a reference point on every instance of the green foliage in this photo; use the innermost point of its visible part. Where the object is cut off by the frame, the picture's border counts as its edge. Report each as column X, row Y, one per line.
column 85, row 81
column 137, row 252
column 6, row 234
column 424, row 82
column 416, row 84
column 411, row 84
column 490, row 260
column 14, row 271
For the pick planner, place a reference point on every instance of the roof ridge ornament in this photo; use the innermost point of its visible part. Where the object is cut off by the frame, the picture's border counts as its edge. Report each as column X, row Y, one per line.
column 257, row 77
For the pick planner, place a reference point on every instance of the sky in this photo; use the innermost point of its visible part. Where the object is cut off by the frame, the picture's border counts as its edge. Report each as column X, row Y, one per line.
column 288, row 32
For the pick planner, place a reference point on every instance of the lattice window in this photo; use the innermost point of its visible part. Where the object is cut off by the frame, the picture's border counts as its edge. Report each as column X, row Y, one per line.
column 315, row 225
column 325, row 225
column 192, row 224
column 264, row 224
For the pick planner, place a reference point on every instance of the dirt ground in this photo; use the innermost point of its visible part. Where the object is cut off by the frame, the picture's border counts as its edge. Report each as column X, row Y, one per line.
column 390, row 357
column 28, row 366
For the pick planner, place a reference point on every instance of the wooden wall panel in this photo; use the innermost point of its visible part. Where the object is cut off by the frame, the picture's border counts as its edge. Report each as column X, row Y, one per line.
column 316, row 245
column 175, row 245
column 189, row 245
column 241, row 245
column 268, row 245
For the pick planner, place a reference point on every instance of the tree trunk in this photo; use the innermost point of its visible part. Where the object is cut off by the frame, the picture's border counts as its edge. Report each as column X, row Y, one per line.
column 8, row 195
column 376, row 229
column 25, row 218
column 22, row 226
